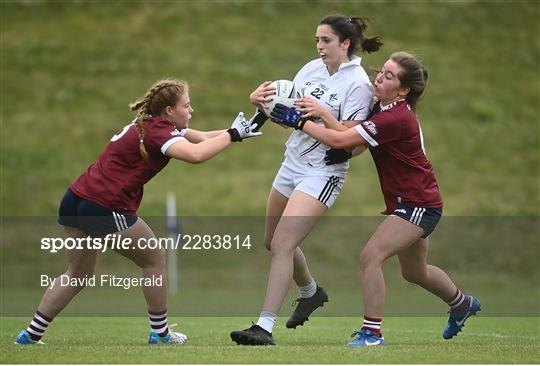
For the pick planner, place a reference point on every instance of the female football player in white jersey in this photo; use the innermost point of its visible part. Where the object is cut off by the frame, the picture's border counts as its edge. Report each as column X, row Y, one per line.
column 305, row 186
column 105, row 198
column 410, row 190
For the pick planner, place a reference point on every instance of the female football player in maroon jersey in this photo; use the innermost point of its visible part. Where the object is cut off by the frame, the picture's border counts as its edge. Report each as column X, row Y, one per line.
column 394, row 137
column 105, row 198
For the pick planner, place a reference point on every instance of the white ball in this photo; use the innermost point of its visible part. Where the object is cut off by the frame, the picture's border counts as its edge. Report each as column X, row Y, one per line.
column 285, row 94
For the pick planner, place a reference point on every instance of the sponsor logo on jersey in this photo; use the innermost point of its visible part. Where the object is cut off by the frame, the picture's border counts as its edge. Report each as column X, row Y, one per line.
column 370, row 126
column 333, row 97
column 324, row 87
column 401, row 210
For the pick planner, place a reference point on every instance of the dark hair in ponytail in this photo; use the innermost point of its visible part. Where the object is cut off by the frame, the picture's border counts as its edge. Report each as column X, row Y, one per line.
column 353, row 28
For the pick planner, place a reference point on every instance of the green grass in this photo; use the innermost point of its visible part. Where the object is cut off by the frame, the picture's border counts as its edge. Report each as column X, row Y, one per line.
column 69, row 69
column 321, row 341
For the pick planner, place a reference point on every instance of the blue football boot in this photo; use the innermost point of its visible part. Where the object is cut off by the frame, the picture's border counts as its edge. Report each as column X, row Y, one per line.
column 365, row 339
column 457, row 321
column 24, row 338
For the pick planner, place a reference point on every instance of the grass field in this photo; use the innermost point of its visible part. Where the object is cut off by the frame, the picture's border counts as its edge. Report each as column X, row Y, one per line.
column 489, row 340
column 68, row 70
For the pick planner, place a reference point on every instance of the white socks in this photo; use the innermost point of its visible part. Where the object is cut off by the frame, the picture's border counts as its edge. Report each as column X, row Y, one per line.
column 267, row 320
column 308, row 290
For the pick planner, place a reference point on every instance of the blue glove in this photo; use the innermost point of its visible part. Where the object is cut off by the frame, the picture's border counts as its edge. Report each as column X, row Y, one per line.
column 286, row 116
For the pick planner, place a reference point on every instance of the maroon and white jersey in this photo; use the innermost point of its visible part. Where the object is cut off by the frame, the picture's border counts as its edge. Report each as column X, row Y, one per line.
column 116, row 179
column 397, row 147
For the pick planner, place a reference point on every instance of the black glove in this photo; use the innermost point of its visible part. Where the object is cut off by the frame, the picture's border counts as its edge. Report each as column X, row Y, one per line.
column 257, row 120
column 337, row 156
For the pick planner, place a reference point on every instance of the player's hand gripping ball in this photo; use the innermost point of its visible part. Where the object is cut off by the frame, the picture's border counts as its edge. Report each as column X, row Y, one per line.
column 285, row 94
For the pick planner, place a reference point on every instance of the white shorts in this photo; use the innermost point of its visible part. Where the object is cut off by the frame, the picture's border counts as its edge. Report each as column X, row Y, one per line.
column 325, row 188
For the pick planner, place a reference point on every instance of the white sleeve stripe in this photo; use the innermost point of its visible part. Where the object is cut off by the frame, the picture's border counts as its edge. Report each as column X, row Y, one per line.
column 365, row 135
column 168, row 144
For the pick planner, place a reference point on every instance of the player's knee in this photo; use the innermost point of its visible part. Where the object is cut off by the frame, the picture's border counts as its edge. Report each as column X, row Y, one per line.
column 368, row 257
column 280, row 246
column 154, row 258
column 160, row 256
column 363, row 259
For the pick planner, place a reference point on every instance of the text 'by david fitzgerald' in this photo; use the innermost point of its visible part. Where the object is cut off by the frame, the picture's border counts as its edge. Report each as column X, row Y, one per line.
column 104, row 280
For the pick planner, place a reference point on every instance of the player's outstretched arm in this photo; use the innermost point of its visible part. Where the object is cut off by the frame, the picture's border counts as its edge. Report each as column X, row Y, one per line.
column 311, row 109
column 197, row 153
column 336, row 139
column 196, row 136
column 347, row 139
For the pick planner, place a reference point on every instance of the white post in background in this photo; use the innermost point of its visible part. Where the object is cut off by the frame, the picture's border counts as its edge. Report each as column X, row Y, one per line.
column 173, row 228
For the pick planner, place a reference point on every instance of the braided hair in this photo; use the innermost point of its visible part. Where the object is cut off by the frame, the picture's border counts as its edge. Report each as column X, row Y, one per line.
column 162, row 94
